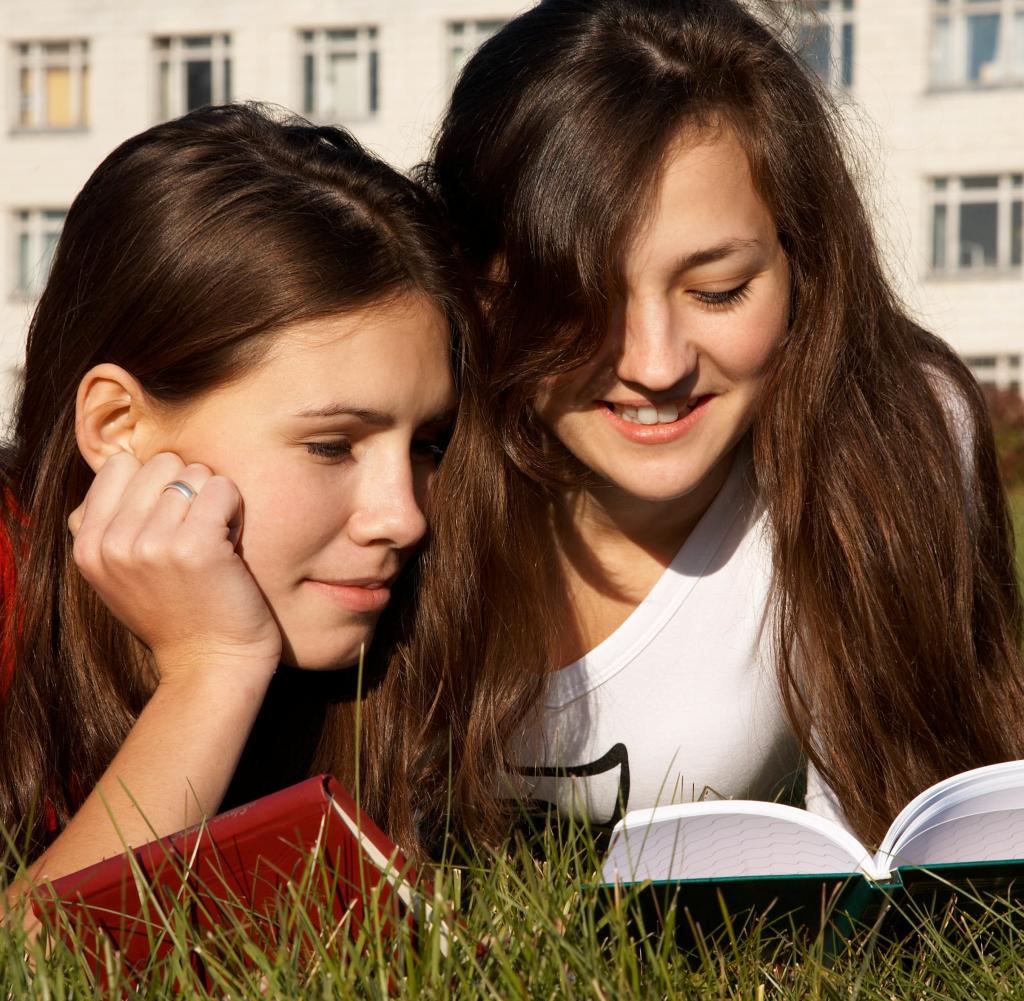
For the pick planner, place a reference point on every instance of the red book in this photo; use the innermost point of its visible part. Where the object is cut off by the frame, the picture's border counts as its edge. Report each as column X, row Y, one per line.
column 240, row 871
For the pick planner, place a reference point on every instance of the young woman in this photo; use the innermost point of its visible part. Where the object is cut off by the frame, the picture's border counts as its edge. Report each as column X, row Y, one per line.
column 245, row 339
column 747, row 512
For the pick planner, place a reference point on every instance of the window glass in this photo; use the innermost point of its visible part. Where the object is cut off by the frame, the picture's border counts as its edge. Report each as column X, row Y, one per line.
column 308, row 84
column 983, row 48
column 198, row 83
column 815, row 45
column 1016, row 233
column 374, row 80
column 847, row 71
column 24, row 263
column 343, row 85
column 978, row 243
column 980, row 181
column 1018, row 46
column 942, row 52
column 939, row 237
column 25, row 102
column 57, row 89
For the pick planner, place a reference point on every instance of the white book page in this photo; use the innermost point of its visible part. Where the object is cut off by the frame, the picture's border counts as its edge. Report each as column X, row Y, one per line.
column 993, row 788
column 730, row 838
column 993, row 836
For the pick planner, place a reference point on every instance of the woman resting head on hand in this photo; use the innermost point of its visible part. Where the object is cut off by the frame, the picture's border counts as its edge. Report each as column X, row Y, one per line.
column 246, row 339
column 748, row 511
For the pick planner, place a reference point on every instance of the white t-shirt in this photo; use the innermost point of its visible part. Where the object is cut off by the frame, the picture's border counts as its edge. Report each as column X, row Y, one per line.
column 681, row 702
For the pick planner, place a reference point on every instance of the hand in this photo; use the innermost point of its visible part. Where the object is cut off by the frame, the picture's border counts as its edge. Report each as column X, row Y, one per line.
column 167, row 567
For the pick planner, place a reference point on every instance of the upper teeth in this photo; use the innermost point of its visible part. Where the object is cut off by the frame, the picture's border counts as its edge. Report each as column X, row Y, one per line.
column 665, row 413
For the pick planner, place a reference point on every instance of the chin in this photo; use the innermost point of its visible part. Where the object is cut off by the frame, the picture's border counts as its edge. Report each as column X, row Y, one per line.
column 326, row 656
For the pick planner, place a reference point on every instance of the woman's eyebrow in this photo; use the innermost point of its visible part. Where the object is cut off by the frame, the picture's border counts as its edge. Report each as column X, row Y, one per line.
column 375, row 417
column 709, row 255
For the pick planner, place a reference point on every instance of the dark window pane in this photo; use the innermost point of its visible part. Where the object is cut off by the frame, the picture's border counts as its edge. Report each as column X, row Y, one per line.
column 197, row 42
column 308, row 85
column 939, row 237
column 374, row 80
column 847, row 55
column 227, row 80
column 978, row 235
column 198, row 84
column 982, row 48
column 980, row 181
column 940, row 183
column 1016, row 233
column 815, row 46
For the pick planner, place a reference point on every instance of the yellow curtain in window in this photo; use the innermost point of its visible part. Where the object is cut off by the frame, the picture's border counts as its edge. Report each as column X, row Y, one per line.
column 26, row 119
column 58, row 97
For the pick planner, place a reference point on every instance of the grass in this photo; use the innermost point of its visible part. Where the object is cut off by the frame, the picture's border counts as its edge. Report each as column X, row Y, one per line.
column 528, row 926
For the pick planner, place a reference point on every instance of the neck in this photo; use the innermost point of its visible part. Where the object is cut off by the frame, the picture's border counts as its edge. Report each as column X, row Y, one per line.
column 604, row 518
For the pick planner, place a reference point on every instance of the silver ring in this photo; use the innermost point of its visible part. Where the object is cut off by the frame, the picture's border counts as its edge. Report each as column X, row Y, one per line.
column 183, row 488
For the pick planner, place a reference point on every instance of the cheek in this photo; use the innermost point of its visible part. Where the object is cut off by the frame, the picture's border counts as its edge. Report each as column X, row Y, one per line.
column 287, row 521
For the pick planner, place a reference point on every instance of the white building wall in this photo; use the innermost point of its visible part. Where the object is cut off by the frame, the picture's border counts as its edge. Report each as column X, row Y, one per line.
column 905, row 132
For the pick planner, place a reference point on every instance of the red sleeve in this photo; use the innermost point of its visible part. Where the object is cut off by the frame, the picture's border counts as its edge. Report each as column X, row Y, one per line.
column 7, row 579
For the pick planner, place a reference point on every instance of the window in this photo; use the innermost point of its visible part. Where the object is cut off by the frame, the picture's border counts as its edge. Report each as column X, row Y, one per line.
column 52, row 84
column 340, row 74
column 976, row 223
column 825, row 41
column 192, row 70
column 35, row 237
column 977, row 43
column 996, row 371
column 464, row 38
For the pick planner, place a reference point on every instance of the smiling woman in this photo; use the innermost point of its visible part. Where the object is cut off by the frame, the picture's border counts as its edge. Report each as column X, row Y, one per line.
column 247, row 337
column 749, row 512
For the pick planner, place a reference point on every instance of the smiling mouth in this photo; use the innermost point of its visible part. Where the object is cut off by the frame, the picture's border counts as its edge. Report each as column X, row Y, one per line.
column 649, row 414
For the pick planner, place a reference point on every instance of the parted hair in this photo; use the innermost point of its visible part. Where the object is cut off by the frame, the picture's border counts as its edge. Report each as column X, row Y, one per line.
column 190, row 245
column 896, row 613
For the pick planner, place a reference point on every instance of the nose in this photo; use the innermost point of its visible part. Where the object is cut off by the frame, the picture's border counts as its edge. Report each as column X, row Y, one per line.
column 655, row 352
column 388, row 510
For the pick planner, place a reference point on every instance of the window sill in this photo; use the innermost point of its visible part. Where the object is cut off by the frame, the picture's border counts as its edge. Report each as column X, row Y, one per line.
column 17, row 131
column 1014, row 273
column 948, row 89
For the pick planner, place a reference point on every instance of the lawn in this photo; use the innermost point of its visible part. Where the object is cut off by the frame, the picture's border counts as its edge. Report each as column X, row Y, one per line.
column 528, row 926
column 533, row 929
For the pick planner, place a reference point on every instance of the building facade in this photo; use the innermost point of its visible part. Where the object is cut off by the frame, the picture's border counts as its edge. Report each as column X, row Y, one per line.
column 933, row 92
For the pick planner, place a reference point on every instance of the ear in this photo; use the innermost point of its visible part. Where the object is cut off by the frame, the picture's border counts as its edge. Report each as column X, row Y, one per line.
column 111, row 411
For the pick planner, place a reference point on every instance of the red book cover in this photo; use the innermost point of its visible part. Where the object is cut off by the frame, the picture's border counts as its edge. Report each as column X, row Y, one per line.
column 240, row 870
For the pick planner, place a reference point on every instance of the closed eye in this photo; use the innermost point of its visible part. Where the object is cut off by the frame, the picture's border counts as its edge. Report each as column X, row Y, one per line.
column 721, row 300
column 338, row 448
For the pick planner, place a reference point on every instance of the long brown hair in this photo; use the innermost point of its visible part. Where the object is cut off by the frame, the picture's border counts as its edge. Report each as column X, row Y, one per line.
column 897, row 615
column 186, row 249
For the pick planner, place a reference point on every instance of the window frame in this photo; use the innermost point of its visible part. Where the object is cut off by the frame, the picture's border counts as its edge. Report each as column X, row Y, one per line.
column 176, row 54
column 471, row 37
column 957, row 13
column 33, row 223
column 365, row 46
column 949, row 190
column 30, row 55
column 837, row 16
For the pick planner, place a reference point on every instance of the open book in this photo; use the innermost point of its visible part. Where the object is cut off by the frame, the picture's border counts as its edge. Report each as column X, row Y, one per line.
column 306, row 846
column 967, row 829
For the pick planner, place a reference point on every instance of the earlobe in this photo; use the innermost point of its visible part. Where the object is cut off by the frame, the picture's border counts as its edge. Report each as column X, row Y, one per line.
column 109, row 409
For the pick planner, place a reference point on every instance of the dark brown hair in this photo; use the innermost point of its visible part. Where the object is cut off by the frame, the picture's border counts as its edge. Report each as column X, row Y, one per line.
column 897, row 614
column 186, row 249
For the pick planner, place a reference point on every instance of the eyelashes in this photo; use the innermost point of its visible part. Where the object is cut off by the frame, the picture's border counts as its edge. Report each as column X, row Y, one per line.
column 422, row 450
column 723, row 300
column 329, row 449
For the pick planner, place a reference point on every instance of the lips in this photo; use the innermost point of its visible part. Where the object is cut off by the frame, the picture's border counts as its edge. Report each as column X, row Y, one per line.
column 649, row 424
column 367, row 594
